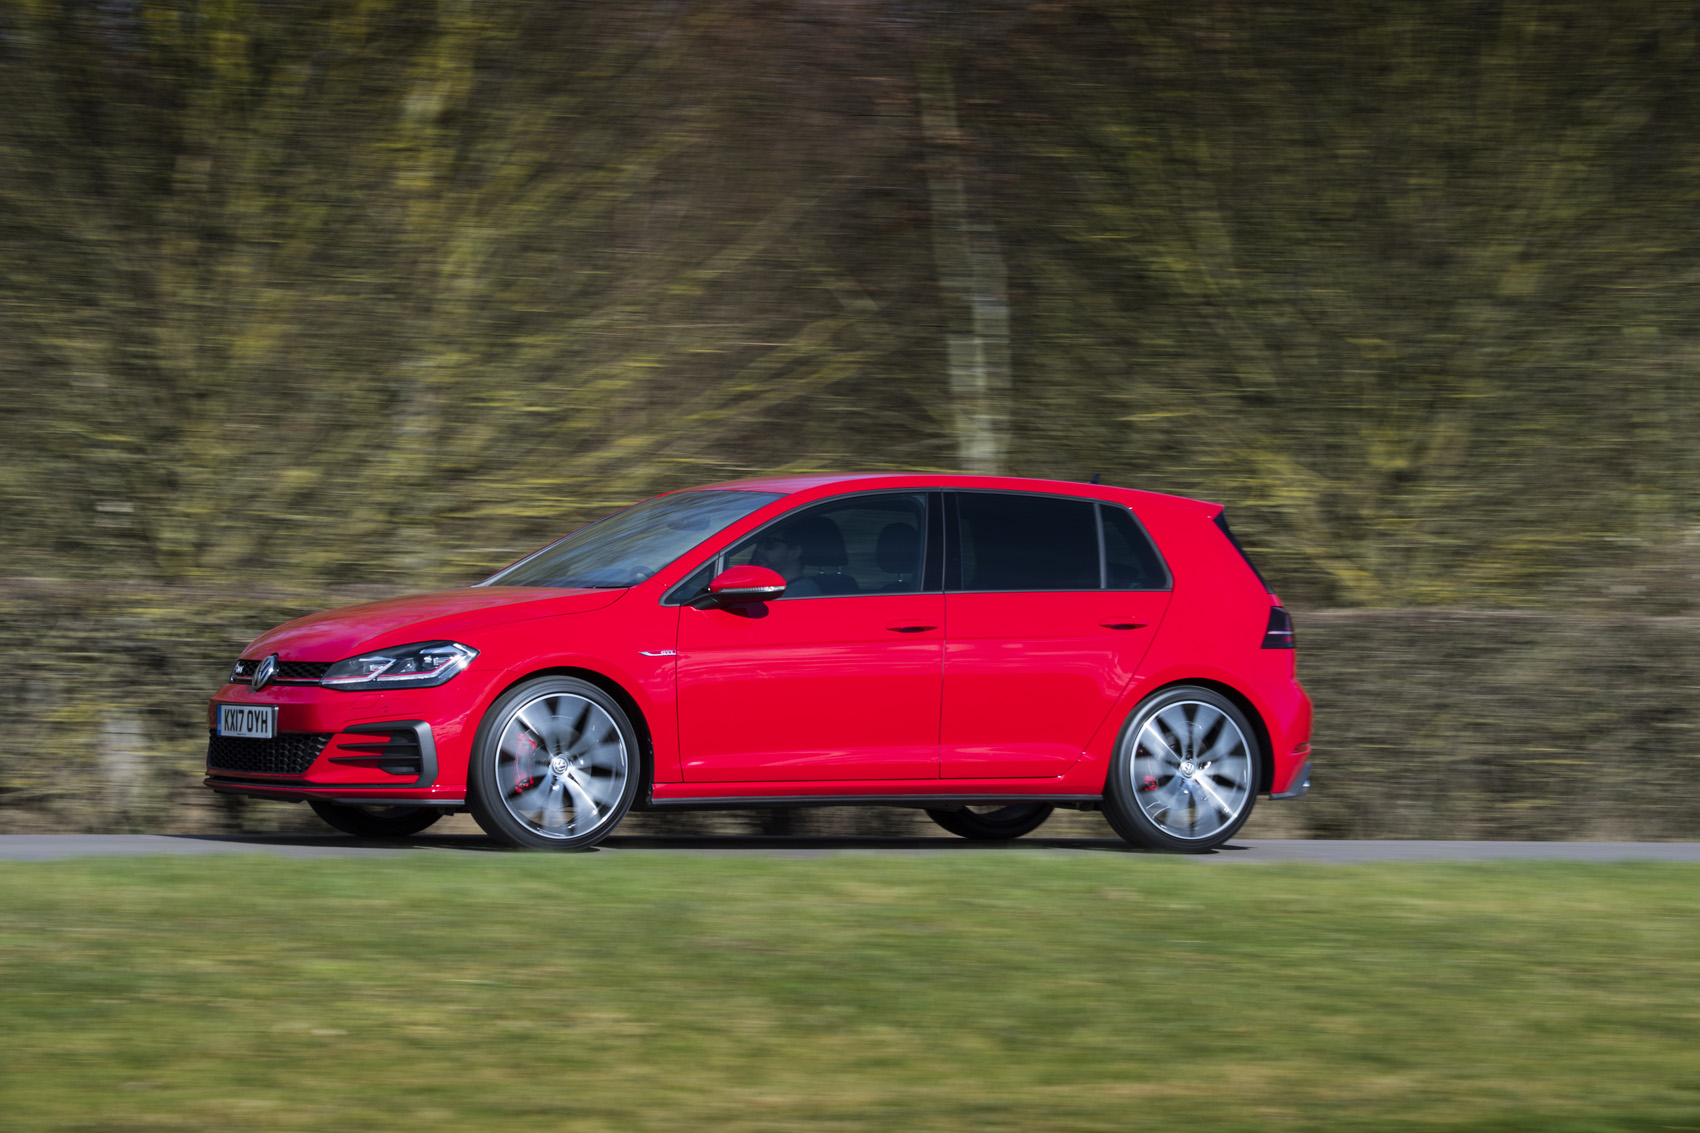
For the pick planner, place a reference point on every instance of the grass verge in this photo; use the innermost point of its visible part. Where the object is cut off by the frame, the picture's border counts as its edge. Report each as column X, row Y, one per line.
column 991, row 992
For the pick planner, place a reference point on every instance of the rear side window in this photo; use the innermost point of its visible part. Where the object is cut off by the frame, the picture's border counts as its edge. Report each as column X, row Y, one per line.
column 1017, row 542
column 1130, row 561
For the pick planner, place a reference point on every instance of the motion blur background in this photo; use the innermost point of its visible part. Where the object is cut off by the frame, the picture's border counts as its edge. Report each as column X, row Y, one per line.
column 305, row 303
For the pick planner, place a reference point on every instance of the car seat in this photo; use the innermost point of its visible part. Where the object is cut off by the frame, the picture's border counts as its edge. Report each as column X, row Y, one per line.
column 823, row 552
column 899, row 552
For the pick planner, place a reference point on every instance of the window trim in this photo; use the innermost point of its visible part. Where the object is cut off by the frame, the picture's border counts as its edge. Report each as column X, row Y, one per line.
column 676, row 595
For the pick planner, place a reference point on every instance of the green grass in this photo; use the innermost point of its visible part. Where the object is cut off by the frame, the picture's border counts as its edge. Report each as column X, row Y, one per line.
column 976, row 991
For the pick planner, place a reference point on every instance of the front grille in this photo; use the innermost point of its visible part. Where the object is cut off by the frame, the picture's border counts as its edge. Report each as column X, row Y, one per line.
column 288, row 672
column 287, row 753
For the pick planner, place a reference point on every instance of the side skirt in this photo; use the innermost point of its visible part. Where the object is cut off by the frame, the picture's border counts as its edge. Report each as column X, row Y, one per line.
column 922, row 802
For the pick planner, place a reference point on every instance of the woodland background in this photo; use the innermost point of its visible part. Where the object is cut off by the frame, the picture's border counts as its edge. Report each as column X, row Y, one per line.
column 303, row 303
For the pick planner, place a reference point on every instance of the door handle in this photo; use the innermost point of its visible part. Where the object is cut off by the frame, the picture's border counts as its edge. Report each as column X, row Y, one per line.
column 1123, row 623
column 909, row 627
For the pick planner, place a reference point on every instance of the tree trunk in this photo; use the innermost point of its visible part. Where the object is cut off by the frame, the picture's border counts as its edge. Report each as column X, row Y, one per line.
column 972, row 285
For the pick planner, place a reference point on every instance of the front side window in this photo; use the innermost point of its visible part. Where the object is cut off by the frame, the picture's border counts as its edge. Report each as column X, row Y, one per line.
column 872, row 544
column 1020, row 542
column 631, row 545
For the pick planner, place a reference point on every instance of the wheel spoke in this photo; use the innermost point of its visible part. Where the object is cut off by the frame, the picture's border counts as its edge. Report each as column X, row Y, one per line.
column 544, row 730
column 1174, row 718
column 1219, row 805
column 1168, row 798
column 604, row 754
column 1202, row 721
column 1232, row 771
column 602, row 790
column 1152, row 739
column 578, row 726
column 1160, row 778
column 1177, row 816
column 555, row 816
column 1228, row 741
column 585, row 808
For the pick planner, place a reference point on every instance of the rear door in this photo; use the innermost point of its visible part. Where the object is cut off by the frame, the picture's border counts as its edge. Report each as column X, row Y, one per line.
column 1051, row 603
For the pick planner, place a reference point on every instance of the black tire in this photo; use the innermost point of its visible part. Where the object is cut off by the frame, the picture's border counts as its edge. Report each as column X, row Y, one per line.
column 376, row 821
column 1185, row 774
column 569, row 746
column 994, row 824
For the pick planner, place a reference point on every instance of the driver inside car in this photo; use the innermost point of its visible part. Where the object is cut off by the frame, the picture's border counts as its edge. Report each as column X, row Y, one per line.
column 781, row 551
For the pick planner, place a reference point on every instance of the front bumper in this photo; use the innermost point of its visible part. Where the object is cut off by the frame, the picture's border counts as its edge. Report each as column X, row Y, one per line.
column 398, row 745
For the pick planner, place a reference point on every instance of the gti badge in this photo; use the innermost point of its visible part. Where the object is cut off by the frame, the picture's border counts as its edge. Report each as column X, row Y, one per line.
column 268, row 669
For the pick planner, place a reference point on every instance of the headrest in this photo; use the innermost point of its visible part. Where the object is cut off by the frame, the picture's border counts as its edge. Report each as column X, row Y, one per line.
column 899, row 549
column 822, row 543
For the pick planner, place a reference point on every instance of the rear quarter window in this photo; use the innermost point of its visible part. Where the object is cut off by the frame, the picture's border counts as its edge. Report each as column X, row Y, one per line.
column 1131, row 561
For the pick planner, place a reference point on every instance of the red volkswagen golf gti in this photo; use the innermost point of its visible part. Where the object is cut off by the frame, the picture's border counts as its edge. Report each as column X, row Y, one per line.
column 987, row 649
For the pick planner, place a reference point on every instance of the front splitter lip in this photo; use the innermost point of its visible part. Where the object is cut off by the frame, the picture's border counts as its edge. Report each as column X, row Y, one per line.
column 336, row 793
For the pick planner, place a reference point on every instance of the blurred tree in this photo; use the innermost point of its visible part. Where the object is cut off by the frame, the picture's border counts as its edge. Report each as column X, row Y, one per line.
column 303, row 298
column 337, row 292
column 1381, row 273
column 325, row 288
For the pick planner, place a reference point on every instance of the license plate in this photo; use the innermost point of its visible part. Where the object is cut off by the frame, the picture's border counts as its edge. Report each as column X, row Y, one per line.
column 249, row 721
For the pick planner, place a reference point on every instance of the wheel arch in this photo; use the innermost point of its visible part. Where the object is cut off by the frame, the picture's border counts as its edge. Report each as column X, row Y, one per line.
column 623, row 697
column 1265, row 745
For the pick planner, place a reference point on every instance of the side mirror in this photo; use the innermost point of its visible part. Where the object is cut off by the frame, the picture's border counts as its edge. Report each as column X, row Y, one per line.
column 742, row 584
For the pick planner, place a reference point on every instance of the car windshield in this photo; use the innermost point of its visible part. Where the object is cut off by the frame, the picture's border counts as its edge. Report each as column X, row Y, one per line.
column 627, row 547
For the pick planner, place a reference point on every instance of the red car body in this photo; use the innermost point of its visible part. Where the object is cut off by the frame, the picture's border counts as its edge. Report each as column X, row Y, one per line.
column 941, row 698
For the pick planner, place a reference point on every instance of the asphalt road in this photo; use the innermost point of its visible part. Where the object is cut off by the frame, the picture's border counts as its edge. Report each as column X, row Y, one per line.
column 51, row 847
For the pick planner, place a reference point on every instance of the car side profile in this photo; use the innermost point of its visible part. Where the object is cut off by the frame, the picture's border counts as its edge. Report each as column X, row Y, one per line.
column 985, row 648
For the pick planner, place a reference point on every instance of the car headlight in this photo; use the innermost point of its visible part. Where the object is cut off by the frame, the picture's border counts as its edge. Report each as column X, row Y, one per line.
column 420, row 665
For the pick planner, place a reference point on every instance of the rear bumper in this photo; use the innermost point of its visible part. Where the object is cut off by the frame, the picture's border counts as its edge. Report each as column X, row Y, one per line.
column 1299, row 786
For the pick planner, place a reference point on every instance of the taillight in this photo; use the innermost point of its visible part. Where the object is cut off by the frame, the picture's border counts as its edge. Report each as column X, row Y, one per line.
column 1279, row 635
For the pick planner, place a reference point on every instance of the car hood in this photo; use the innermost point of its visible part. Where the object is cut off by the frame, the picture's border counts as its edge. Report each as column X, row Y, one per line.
column 440, row 616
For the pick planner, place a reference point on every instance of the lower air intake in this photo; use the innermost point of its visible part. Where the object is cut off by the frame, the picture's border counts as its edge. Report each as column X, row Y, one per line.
column 288, row 753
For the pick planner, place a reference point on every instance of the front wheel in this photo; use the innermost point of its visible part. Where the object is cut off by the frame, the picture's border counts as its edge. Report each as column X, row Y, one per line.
column 993, row 823
column 1184, row 777
column 555, row 766
column 376, row 821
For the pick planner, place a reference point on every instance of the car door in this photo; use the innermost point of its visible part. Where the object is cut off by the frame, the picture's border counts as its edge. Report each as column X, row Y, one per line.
column 839, row 679
column 1051, row 603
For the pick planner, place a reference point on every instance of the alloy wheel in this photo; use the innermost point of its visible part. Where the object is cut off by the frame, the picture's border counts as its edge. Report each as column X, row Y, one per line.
column 561, row 765
column 1192, row 770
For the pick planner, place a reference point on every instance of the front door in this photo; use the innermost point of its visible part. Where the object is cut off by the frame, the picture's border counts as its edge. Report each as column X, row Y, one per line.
column 839, row 679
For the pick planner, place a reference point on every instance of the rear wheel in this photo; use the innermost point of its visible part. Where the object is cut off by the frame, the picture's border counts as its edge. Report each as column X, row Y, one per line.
column 993, row 823
column 376, row 821
column 555, row 766
column 1184, row 776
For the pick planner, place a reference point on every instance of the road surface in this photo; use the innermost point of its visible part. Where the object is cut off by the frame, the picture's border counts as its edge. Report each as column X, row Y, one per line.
column 52, row 847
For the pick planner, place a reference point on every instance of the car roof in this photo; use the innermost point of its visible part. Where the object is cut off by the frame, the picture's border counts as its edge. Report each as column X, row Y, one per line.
column 815, row 484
